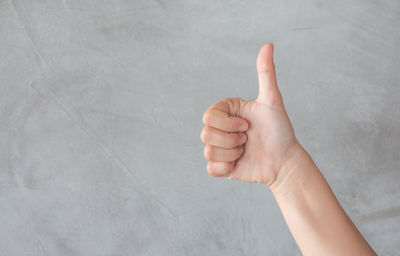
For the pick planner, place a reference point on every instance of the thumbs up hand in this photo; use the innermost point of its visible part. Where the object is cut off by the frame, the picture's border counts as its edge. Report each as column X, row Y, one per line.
column 250, row 140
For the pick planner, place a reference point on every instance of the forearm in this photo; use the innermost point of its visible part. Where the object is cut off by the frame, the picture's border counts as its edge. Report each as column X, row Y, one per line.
column 315, row 218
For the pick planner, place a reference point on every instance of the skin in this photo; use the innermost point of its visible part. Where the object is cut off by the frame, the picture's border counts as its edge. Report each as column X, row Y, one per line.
column 254, row 141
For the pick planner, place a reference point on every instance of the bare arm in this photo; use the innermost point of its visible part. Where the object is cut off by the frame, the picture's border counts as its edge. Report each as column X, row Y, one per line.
column 314, row 216
column 254, row 141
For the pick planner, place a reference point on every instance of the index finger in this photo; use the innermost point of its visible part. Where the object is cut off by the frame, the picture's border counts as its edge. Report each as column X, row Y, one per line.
column 220, row 116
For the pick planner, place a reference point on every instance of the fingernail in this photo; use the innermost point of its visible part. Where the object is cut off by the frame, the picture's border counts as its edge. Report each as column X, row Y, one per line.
column 243, row 127
column 242, row 138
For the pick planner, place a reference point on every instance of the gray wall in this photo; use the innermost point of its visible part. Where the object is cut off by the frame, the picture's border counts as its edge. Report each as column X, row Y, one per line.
column 100, row 117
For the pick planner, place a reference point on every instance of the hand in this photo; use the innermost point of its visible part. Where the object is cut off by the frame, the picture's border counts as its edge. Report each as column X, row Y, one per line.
column 250, row 140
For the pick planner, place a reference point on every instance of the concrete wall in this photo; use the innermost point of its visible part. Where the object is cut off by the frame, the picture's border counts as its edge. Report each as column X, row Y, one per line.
column 100, row 117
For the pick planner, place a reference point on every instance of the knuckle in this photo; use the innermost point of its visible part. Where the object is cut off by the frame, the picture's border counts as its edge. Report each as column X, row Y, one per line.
column 208, row 152
column 206, row 116
column 204, row 136
column 210, row 169
column 225, row 99
column 205, row 152
column 237, row 101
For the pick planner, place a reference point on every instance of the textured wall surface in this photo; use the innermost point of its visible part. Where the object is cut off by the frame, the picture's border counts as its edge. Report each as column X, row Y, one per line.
column 100, row 117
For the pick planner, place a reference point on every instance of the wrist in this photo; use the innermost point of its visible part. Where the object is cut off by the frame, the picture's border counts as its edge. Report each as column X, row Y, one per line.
column 294, row 172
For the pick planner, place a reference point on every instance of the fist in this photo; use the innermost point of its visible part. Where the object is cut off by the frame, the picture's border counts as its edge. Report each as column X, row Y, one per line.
column 250, row 140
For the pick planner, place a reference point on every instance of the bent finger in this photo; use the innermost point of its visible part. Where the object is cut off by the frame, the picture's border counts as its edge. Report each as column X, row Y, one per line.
column 224, row 116
column 216, row 154
column 219, row 169
column 215, row 137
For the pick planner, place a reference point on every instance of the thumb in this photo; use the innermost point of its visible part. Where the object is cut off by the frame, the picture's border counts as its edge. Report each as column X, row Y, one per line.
column 268, row 87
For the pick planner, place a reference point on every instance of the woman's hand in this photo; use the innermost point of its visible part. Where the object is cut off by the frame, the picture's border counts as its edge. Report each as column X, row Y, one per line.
column 250, row 140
